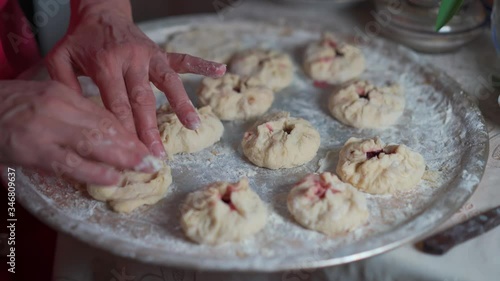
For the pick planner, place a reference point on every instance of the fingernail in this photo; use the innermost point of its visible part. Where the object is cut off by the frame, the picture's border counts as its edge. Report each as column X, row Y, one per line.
column 158, row 150
column 192, row 121
column 149, row 164
column 221, row 70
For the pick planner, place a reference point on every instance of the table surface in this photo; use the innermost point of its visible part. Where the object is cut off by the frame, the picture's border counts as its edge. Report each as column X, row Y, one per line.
column 478, row 259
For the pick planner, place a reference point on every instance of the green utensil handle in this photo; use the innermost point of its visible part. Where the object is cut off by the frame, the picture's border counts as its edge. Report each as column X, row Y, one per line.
column 447, row 10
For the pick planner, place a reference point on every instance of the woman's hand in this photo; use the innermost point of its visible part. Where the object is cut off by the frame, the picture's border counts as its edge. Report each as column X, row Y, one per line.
column 104, row 44
column 46, row 125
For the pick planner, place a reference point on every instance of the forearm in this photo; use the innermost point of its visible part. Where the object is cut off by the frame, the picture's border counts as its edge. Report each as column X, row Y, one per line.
column 81, row 8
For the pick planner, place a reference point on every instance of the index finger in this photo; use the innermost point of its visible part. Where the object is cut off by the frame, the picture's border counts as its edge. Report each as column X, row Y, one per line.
column 169, row 82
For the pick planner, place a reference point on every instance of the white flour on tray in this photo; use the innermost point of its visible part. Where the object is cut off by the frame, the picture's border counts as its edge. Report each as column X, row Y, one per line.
column 430, row 125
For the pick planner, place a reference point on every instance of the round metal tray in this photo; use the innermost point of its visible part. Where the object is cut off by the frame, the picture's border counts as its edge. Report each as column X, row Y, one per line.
column 439, row 121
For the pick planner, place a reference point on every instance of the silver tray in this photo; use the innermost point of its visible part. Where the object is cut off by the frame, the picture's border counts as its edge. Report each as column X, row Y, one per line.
column 439, row 121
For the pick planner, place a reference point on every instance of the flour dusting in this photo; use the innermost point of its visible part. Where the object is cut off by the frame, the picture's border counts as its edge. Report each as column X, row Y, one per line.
column 444, row 129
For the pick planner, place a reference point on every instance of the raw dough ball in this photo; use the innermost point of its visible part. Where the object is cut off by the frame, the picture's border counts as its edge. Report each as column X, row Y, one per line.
column 176, row 138
column 363, row 105
column 280, row 141
column 326, row 204
column 263, row 67
column 223, row 212
column 135, row 190
column 231, row 98
column 333, row 62
column 376, row 168
column 208, row 42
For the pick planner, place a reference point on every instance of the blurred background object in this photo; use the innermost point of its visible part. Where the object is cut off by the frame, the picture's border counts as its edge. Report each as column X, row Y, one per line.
column 495, row 25
column 153, row 9
column 51, row 18
column 412, row 22
column 328, row 2
column 495, row 34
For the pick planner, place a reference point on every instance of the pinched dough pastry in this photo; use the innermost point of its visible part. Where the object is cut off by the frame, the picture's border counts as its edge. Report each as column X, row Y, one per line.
column 280, row 141
column 209, row 42
column 363, row 105
column 333, row 62
column 135, row 189
column 263, row 67
column 231, row 98
column 326, row 204
column 376, row 168
column 176, row 138
column 223, row 212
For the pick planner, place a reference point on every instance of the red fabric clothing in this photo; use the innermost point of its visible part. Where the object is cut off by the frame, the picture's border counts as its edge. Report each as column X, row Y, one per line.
column 18, row 49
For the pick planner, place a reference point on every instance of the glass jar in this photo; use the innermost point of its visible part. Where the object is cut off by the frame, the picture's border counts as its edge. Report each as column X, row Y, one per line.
column 412, row 22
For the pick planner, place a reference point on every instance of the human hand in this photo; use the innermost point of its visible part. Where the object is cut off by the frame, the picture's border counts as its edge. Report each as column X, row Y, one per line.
column 105, row 45
column 44, row 125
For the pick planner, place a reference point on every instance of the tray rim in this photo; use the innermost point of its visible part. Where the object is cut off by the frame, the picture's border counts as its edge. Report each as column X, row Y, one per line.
column 56, row 218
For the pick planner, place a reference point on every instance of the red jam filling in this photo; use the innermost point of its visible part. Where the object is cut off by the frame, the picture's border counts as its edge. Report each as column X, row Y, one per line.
column 321, row 84
column 322, row 187
column 330, row 43
column 376, row 153
column 334, row 46
column 226, row 197
column 362, row 93
column 269, row 127
column 323, row 59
